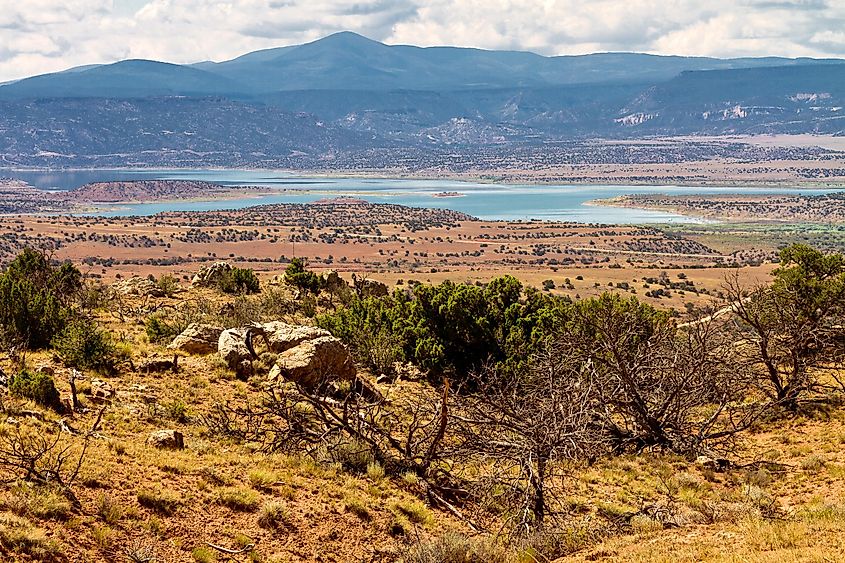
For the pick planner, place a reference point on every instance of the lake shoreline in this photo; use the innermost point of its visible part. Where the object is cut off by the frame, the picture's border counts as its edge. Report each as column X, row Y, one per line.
column 238, row 189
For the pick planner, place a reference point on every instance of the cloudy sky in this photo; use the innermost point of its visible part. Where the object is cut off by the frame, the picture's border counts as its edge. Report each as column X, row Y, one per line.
column 38, row 36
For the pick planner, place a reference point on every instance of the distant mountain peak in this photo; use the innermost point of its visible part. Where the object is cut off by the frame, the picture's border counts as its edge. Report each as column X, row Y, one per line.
column 343, row 40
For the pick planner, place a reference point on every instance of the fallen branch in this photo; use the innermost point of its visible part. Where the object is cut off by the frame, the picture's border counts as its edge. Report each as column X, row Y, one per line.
column 454, row 511
column 246, row 549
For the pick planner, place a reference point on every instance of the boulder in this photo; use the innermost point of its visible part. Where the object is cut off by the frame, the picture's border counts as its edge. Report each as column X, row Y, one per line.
column 166, row 439
column 232, row 347
column 210, row 275
column 197, row 339
column 101, row 391
column 315, row 361
column 135, row 285
column 282, row 336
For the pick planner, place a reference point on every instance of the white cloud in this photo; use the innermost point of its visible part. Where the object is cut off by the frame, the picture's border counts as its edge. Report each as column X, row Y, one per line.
column 39, row 36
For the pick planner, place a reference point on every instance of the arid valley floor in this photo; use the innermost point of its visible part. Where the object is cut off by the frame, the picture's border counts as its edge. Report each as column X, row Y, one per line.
column 219, row 498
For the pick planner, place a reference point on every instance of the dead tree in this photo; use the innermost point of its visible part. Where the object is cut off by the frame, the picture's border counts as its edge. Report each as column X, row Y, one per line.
column 525, row 428
column 655, row 384
column 44, row 459
column 403, row 433
column 790, row 332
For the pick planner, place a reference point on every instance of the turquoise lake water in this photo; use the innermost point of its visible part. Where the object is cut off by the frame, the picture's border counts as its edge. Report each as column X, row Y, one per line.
column 486, row 201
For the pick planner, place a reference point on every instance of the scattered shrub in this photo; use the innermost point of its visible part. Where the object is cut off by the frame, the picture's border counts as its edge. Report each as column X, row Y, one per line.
column 451, row 329
column 36, row 297
column 239, row 280
column 84, row 345
column 168, row 285
column 38, row 387
column 297, row 276
column 159, row 331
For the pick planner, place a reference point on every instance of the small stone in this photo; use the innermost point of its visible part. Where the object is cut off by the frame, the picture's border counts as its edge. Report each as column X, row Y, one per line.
column 166, row 439
column 101, row 391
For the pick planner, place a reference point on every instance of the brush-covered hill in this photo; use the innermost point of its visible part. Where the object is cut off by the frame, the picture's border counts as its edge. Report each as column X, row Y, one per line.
column 348, row 84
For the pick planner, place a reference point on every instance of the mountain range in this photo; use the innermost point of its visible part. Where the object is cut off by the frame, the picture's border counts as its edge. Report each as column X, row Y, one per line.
column 349, row 93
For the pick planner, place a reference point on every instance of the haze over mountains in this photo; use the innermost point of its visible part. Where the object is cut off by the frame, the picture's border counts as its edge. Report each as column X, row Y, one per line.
column 348, row 93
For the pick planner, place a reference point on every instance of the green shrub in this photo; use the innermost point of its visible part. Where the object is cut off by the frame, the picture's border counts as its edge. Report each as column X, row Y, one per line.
column 168, row 285
column 39, row 387
column 176, row 410
column 297, row 276
column 36, row 298
column 158, row 330
column 84, row 345
column 450, row 329
column 239, row 280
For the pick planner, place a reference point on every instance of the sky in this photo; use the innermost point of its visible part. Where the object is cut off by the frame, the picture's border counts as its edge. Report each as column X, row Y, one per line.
column 39, row 36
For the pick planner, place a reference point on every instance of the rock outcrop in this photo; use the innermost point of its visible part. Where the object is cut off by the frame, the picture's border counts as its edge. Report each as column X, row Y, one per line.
column 198, row 339
column 307, row 355
column 141, row 287
column 232, row 347
column 101, row 391
column 283, row 336
column 210, row 275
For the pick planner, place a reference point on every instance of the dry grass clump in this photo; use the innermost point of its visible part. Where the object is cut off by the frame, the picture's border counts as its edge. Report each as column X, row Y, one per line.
column 204, row 555
column 44, row 503
column 456, row 548
column 274, row 514
column 358, row 507
column 19, row 536
column 262, row 479
column 415, row 511
column 109, row 510
column 159, row 501
column 238, row 499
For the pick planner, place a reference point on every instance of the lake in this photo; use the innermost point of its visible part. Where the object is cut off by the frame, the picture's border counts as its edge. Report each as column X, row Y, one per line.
column 486, row 201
